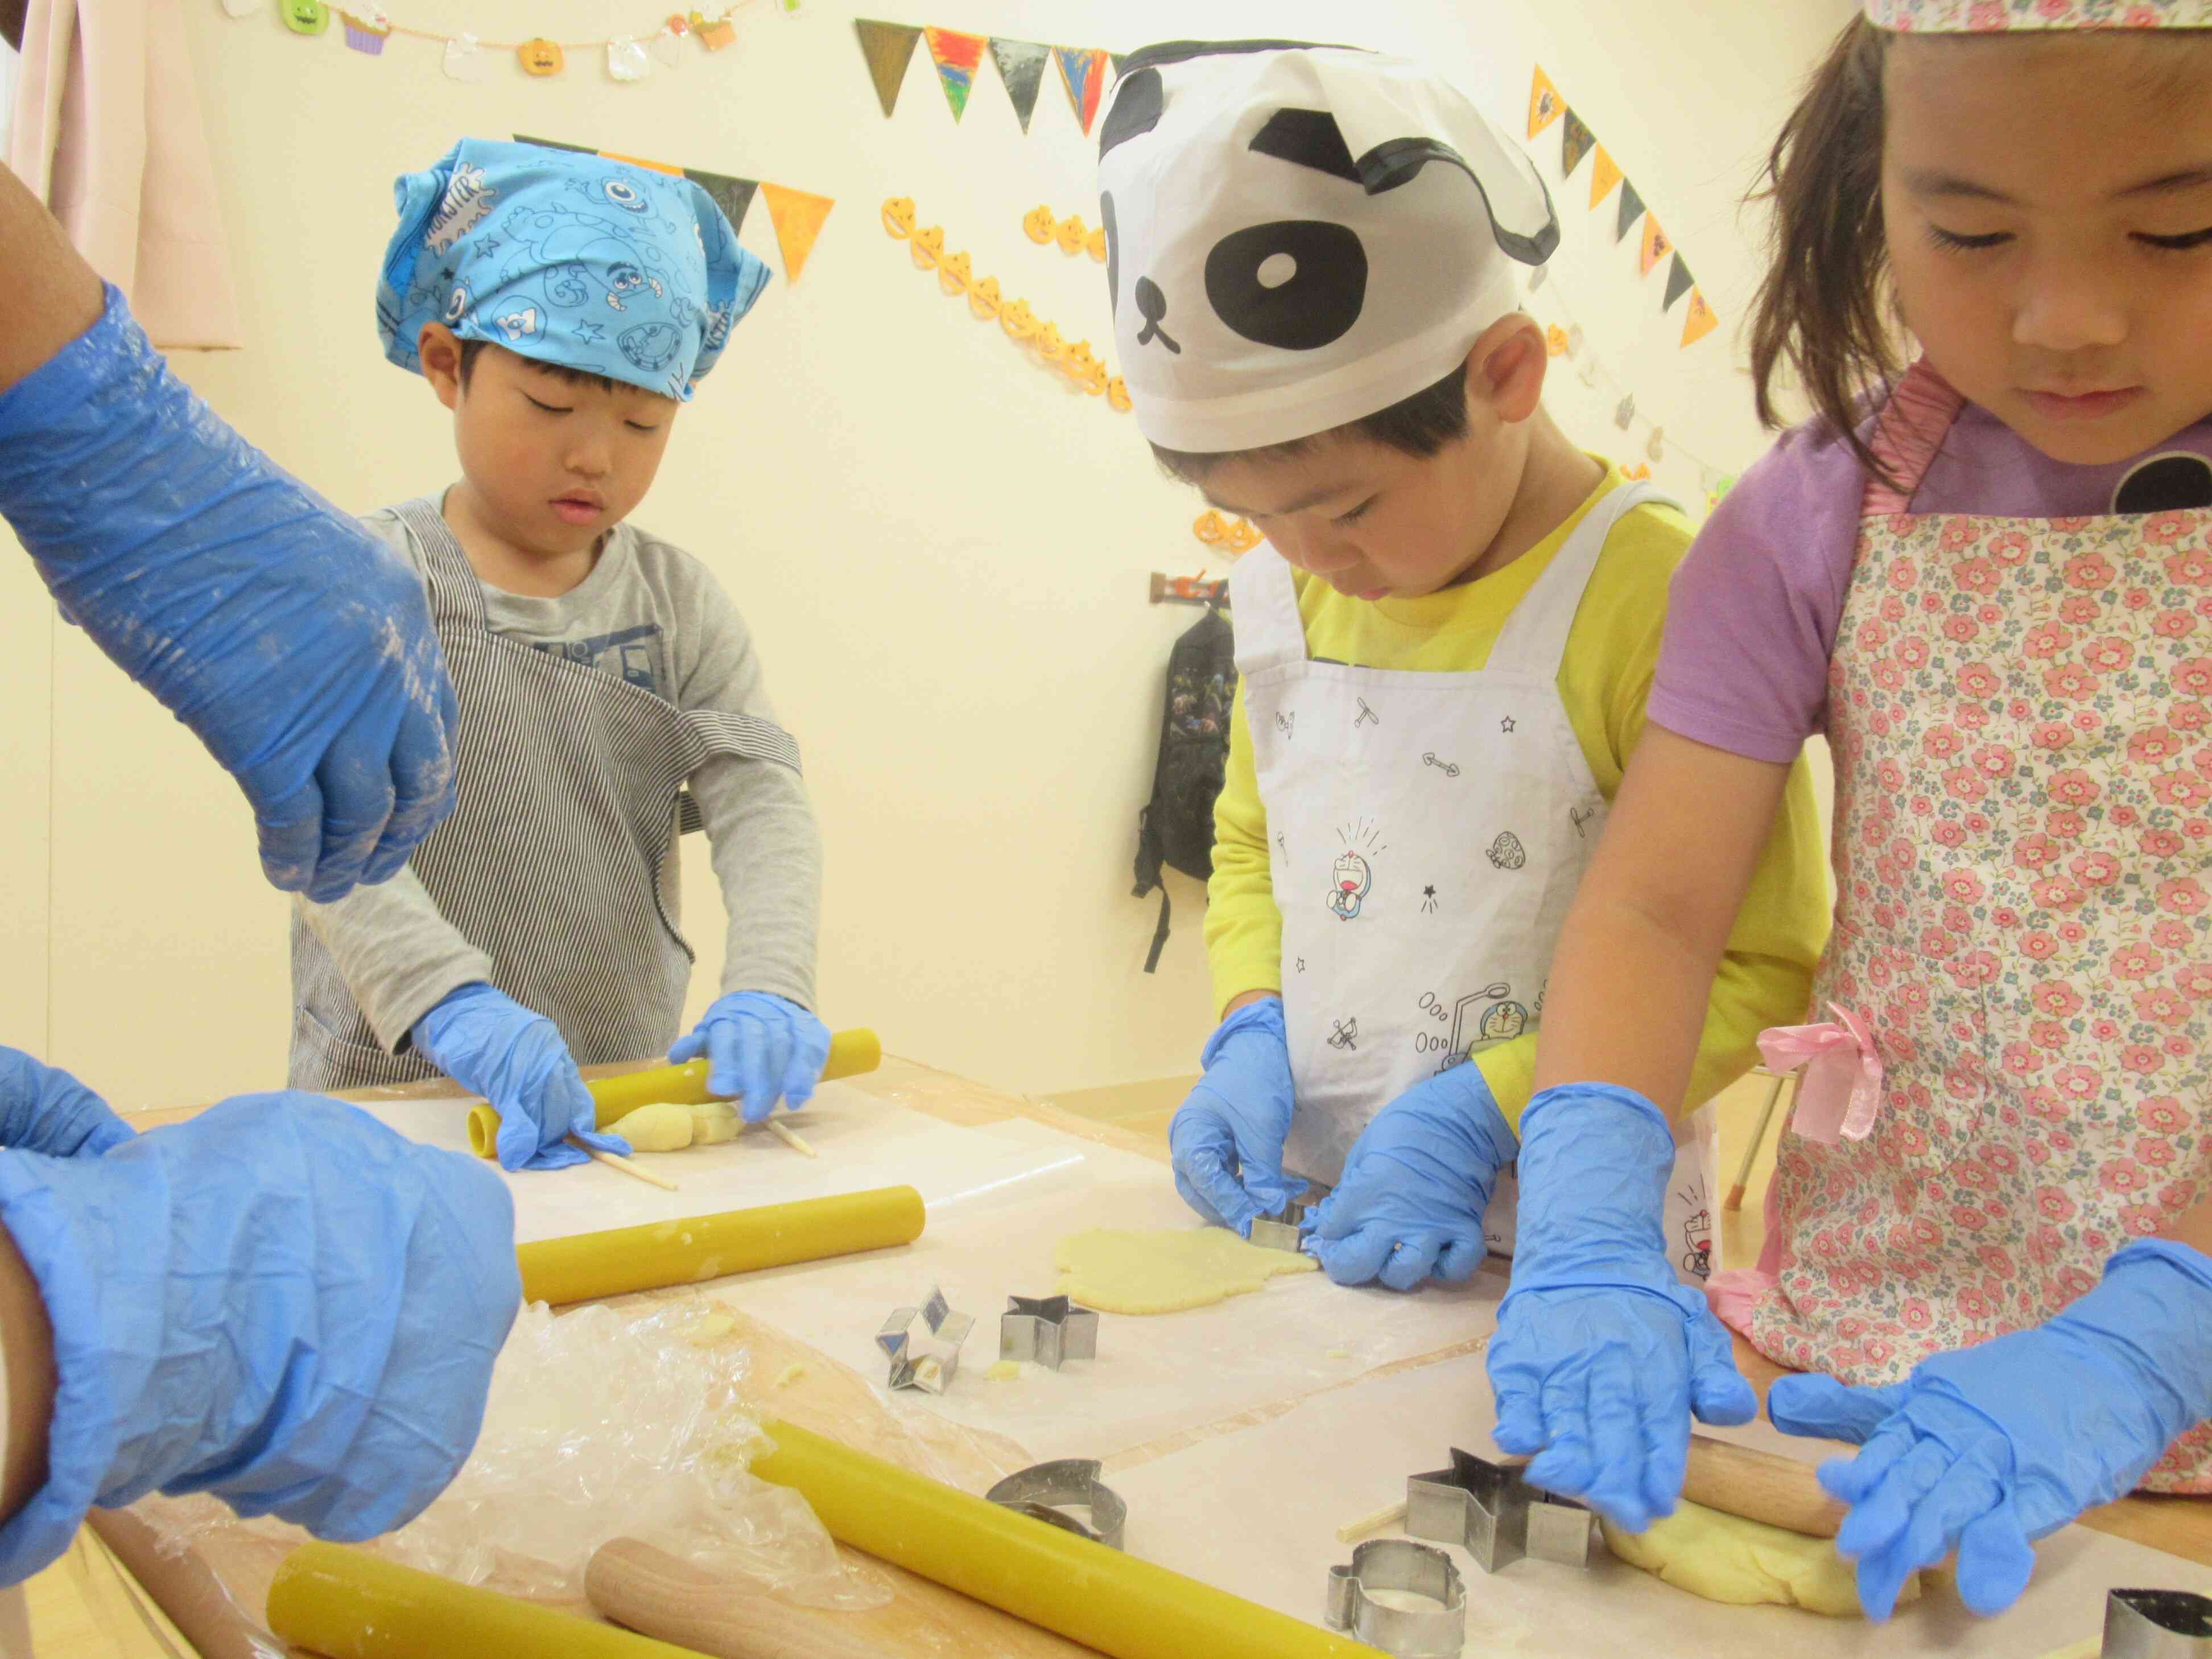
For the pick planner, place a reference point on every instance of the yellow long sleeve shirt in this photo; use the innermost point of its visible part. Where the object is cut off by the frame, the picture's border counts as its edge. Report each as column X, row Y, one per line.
column 1765, row 978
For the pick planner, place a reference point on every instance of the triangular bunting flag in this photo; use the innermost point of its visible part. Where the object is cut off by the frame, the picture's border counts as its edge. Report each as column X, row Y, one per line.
column 1631, row 209
column 1655, row 244
column 1578, row 143
column 1545, row 104
column 1119, row 58
column 1701, row 322
column 554, row 144
column 1679, row 281
column 733, row 196
column 1604, row 175
column 797, row 217
column 887, row 47
column 1021, row 66
column 1082, row 72
column 956, row 56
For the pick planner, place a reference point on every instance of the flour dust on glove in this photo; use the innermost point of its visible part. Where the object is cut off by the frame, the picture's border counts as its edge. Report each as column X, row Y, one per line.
column 1601, row 1354
column 295, row 645
column 493, row 1046
column 762, row 1048
column 1415, row 1187
column 1986, row 1449
column 45, row 1109
column 280, row 1302
column 1226, row 1139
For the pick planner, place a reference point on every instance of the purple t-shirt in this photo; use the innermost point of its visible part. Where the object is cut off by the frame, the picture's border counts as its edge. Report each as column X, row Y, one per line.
column 1753, row 610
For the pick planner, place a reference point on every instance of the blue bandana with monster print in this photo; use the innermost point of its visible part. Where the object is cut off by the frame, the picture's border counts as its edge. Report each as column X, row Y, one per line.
column 569, row 259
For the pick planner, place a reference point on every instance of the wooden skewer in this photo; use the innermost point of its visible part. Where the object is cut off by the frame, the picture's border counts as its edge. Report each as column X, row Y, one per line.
column 791, row 1139
column 614, row 1161
column 1368, row 1525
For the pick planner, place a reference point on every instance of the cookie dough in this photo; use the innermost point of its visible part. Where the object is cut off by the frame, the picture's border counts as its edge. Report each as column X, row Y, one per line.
column 1159, row 1272
column 655, row 1129
column 1007, row 1371
column 1725, row 1557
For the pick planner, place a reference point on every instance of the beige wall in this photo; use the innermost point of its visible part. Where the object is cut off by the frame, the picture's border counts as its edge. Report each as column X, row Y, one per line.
column 942, row 553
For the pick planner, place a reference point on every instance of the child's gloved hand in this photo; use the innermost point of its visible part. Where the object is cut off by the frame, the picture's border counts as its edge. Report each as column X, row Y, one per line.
column 1226, row 1139
column 1985, row 1449
column 761, row 1046
column 1411, row 1203
column 491, row 1045
column 43, row 1110
column 282, row 1302
column 1601, row 1354
column 294, row 644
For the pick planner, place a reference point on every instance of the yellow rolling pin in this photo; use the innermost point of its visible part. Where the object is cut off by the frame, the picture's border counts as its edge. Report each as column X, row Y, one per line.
column 1122, row 1606
column 645, row 1258
column 347, row 1604
column 614, row 1098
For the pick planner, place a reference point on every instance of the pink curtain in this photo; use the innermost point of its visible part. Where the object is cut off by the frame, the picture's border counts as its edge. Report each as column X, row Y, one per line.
column 106, row 130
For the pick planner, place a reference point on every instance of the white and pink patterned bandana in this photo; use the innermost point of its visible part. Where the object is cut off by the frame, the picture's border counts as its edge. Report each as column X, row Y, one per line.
column 2001, row 16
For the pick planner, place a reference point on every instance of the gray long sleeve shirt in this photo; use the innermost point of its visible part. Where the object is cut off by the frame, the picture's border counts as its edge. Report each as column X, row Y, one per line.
column 654, row 616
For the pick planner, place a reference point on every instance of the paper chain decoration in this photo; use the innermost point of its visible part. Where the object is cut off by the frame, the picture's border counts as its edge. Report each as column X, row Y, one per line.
column 1234, row 537
column 955, row 275
column 368, row 28
column 1071, row 235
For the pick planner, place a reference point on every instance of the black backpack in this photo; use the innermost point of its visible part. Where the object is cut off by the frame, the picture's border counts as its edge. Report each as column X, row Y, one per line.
column 1176, row 828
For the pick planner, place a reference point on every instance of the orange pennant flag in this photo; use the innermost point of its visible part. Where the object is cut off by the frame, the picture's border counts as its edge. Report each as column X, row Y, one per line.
column 1655, row 244
column 1701, row 322
column 798, row 216
column 1604, row 178
column 1545, row 104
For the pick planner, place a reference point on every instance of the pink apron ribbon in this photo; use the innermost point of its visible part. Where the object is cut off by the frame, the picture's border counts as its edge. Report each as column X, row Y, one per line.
column 1841, row 1090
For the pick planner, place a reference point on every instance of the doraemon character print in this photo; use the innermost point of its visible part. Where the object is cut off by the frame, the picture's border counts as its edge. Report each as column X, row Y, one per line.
column 569, row 259
column 1297, row 236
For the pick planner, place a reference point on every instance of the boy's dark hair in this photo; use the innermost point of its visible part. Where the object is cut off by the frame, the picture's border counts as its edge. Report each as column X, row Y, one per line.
column 1825, row 308
column 1418, row 426
column 471, row 350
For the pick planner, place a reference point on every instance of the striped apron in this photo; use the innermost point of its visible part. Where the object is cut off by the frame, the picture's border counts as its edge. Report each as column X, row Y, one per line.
column 558, row 859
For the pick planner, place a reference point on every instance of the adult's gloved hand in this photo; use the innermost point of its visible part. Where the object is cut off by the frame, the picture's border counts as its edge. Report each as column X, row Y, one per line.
column 1601, row 1354
column 295, row 645
column 1418, row 1178
column 43, row 1110
column 280, row 1302
column 1227, row 1138
column 759, row 1046
column 491, row 1045
column 1986, row 1449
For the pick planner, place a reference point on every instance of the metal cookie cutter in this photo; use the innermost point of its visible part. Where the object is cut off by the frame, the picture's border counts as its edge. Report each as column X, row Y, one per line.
column 1049, row 1491
column 1286, row 1228
column 1047, row 1331
column 1392, row 1564
column 2149, row 1623
column 923, row 1344
column 1498, row 1515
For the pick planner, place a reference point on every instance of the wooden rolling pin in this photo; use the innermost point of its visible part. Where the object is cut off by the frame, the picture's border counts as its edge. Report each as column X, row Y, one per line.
column 1125, row 1607
column 658, row 1596
column 614, row 1098
column 624, row 1259
column 1760, row 1486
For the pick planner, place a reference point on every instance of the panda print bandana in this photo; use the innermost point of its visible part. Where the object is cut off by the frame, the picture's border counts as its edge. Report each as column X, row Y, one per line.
column 568, row 258
column 1300, row 236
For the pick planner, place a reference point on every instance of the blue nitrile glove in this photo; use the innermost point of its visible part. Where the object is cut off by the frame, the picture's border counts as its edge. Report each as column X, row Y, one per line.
column 1415, row 1186
column 761, row 1046
column 1601, row 1353
column 490, row 1044
column 295, row 645
column 43, row 1110
column 280, row 1302
column 1983, row 1449
column 1227, row 1138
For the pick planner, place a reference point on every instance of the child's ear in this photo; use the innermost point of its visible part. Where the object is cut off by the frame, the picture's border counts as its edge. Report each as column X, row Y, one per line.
column 1506, row 367
column 440, row 352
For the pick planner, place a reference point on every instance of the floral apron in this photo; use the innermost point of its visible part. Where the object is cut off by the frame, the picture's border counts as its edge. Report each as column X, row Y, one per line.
column 2021, row 715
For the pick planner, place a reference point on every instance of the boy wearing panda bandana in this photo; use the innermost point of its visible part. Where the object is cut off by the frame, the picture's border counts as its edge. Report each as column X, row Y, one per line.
column 1444, row 653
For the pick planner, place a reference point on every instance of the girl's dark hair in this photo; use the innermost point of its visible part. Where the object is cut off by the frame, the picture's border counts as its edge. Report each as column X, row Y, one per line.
column 1826, row 307
column 1419, row 426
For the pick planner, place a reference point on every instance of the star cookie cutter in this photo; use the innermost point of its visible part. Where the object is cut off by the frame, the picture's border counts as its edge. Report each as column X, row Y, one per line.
column 1047, row 1331
column 1393, row 1564
column 1495, row 1514
column 923, row 1344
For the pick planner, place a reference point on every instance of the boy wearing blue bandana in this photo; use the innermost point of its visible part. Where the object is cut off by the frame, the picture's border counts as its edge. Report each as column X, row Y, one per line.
column 564, row 307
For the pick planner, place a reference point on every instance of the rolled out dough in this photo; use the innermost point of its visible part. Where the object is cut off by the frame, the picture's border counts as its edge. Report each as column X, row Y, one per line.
column 1165, row 1272
column 1725, row 1557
